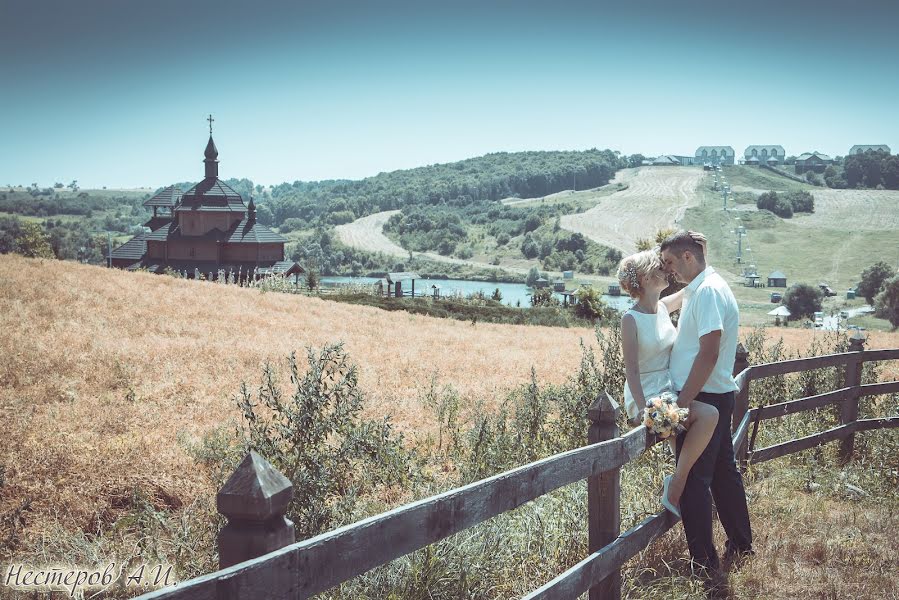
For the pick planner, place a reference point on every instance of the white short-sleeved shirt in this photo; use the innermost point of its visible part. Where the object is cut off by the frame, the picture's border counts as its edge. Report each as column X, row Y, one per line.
column 709, row 305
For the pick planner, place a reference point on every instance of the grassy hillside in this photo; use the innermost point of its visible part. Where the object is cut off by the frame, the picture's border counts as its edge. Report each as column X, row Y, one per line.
column 807, row 248
column 118, row 394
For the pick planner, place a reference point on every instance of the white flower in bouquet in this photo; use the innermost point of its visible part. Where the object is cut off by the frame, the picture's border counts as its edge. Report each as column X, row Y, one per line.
column 663, row 416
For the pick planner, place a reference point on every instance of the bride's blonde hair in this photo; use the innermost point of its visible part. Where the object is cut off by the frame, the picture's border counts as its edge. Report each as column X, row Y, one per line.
column 632, row 267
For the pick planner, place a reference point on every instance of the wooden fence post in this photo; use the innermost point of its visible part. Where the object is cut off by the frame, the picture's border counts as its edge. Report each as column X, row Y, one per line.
column 604, row 495
column 849, row 407
column 741, row 401
column 254, row 499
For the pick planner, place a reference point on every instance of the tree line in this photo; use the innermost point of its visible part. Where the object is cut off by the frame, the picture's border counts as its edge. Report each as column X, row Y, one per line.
column 486, row 178
column 874, row 169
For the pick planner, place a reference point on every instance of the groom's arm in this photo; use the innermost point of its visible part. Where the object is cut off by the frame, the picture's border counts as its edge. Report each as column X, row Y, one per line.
column 702, row 368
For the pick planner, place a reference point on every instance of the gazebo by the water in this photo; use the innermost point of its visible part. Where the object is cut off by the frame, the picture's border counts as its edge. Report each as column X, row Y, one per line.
column 395, row 282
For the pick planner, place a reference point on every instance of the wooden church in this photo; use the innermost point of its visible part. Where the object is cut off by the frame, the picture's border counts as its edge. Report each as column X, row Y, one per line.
column 207, row 230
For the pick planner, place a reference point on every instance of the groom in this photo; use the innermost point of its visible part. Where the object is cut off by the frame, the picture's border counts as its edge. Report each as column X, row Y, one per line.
column 702, row 361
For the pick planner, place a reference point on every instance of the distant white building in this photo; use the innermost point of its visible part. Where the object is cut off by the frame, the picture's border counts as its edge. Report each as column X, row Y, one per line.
column 714, row 155
column 861, row 149
column 764, row 155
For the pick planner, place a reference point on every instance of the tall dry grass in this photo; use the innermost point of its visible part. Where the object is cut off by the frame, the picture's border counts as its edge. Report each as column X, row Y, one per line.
column 103, row 370
column 105, row 374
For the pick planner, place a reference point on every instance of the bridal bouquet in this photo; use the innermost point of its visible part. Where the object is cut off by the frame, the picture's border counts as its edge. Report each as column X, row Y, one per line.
column 663, row 416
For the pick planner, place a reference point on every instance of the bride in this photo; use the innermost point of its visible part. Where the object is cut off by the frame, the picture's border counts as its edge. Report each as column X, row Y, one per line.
column 647, row 336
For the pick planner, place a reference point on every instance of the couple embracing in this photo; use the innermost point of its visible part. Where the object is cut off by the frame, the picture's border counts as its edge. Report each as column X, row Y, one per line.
column 694, row 361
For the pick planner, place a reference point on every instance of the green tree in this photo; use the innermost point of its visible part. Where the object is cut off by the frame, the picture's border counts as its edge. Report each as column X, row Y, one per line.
column 589, row 303
column 803, row 300
column 533, row 276
column 311, row 279
column 872, row 280
column 33, row 242
column 532, row 222
column 543, row 297
column 886, row 304
column 497, row 295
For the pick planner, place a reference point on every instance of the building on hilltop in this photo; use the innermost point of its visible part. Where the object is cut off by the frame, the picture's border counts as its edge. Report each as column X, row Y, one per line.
column 764, row 155
column 207, row 230
column 714, row 155
column 812, row 161
column 861, row 149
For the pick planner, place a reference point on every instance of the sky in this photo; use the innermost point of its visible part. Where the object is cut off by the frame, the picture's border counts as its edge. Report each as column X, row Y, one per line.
column 116, row 92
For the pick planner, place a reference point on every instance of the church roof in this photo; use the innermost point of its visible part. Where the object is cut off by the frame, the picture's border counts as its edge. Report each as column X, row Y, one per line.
column 243, row 232
column 211, row 151
column 212, row 191
column 157, row 222
column 165, row 197
column 252, row 232
column 133, row 249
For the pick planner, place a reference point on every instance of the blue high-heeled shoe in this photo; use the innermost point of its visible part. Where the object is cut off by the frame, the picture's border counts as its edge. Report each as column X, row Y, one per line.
column 665, row 501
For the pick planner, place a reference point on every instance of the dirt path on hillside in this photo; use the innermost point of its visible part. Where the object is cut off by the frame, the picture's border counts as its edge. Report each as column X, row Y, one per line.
column 656, row 197
column 367, row 234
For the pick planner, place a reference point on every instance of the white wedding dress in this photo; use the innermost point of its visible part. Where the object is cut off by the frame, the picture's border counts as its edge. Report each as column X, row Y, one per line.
column 655, row 337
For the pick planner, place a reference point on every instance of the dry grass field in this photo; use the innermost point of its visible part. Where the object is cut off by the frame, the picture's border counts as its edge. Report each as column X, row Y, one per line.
column 102, row 370
column 104, row 373
column 656, row 198
column 855, row 210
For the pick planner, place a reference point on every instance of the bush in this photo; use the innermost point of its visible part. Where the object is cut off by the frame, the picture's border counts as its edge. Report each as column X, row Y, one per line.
column 589, row 304
column 315, row 437
column 533, row 276
column 543, row 297
column 872, row 280
column 783, row 208
column 767, row 201
column 803, row 300
column 886, row 304
column 502, row 239
column 802, row 201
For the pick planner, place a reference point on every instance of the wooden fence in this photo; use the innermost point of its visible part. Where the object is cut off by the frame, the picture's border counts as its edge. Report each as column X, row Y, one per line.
column 259, row 558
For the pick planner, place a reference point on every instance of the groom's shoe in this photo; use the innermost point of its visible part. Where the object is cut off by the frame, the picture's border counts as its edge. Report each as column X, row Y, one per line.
column 665, row 501
column 733, row 558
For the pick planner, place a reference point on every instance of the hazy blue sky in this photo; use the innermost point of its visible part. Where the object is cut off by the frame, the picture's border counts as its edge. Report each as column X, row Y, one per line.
column 115, row 92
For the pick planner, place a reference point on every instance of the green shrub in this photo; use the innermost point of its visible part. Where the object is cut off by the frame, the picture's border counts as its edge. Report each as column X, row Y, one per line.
column 314, row 435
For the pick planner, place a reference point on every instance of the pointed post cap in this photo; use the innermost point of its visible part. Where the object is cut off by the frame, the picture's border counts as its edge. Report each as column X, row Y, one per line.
column 741, row 351
column 256, row 491
column 604, row 409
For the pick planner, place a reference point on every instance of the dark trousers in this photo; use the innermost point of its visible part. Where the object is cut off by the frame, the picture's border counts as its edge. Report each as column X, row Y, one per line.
column 715, row 471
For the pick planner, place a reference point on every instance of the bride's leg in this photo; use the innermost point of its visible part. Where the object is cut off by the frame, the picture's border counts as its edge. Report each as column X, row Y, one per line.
column 700, row 427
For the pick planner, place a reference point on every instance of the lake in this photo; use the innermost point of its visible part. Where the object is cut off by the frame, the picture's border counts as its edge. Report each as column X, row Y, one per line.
column 512, row 293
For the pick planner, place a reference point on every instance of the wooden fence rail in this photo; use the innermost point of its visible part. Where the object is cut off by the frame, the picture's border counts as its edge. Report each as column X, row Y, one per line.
column 302, row 569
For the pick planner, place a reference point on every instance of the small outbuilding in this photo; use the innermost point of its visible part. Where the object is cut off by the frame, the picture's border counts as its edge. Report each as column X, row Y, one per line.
column 614, row 290
column 395, row 283
column 777, row 279
column 558, row 286
column 541, row 283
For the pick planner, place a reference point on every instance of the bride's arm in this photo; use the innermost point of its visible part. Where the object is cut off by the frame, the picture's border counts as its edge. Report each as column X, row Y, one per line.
column 631, row 360
column 673, row 301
